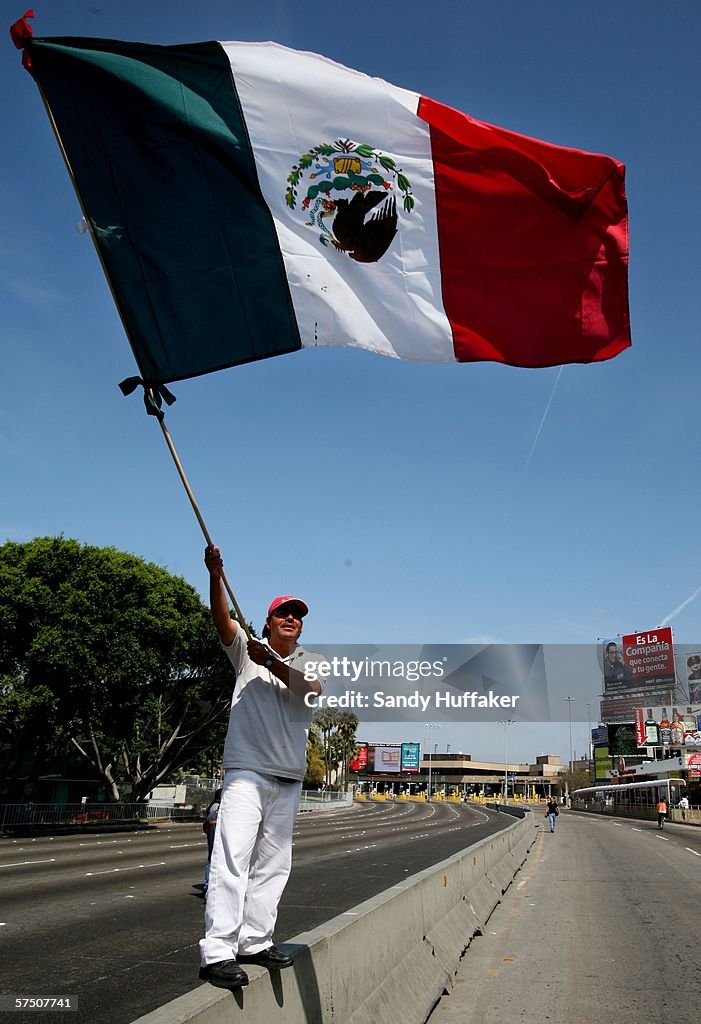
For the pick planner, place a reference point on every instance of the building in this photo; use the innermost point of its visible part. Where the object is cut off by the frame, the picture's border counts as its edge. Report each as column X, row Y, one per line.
column 457, row 773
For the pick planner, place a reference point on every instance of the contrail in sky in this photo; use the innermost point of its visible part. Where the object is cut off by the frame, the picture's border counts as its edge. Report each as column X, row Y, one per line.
column 535, row 440
column 668, row 618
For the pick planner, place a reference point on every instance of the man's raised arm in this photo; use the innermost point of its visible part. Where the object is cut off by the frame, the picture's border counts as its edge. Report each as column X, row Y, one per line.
column 226, row 626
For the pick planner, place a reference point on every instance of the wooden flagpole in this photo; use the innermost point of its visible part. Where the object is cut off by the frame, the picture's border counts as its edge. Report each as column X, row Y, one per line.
column 200, row 520
column 161, row 420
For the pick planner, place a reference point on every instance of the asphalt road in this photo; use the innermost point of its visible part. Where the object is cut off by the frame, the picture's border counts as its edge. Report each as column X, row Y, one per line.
column 114, row 919
column 602, row 924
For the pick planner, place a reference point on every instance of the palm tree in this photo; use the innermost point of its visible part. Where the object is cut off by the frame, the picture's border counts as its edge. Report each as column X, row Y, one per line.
column 325, row 720
column 348, row 743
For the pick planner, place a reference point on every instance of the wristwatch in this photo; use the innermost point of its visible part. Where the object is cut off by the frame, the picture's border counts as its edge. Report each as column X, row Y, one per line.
column 268, row 663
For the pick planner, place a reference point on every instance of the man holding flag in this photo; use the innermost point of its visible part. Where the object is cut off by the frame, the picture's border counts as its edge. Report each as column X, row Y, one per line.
column 264, row 765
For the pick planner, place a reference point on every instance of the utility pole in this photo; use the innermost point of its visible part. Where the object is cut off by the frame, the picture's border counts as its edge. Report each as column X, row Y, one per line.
column 429, row 726
column 570, row 701
column 506, row 723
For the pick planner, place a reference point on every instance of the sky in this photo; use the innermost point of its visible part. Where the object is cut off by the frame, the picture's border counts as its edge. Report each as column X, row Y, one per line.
column 408, row 504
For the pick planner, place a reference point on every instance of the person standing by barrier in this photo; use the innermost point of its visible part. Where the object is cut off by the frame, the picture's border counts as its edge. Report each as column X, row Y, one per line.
column 552, row 812
column 661, row 812
column 264, row 765
column 684, row 806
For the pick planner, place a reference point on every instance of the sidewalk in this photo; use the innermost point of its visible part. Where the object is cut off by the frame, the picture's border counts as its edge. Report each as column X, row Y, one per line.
column 585, row 933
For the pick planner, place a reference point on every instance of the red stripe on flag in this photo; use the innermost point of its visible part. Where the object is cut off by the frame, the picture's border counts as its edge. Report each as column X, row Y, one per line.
column 533, row 244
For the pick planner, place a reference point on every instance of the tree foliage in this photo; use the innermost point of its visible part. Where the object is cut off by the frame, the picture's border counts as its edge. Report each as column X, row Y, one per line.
column 336, row 731
column 316, row 765
column 107, row 655
column 578, row 777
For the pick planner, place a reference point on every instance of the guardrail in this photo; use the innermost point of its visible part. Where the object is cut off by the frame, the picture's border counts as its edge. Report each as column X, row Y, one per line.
column 316, row 800
column 42, row 816
column 31, row 815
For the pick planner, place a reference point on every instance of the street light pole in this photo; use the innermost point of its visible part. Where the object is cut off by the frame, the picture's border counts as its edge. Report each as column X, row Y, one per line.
column 506, row 723
column 570, row 701
column 429, row 726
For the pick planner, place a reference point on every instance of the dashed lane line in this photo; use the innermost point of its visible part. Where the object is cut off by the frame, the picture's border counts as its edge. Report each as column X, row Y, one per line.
column 111, row 871
column 21, row 863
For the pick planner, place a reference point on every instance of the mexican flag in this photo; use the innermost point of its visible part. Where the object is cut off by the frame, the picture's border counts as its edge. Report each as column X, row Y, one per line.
column 249, row 200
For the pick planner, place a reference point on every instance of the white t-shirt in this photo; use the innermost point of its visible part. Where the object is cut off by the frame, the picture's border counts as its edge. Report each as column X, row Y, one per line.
column 268, row 724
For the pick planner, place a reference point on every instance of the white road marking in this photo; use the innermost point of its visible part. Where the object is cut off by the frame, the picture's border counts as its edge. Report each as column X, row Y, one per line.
column 20, row 863
column 692, row 851
column 663, row 838
column 637, row 829
column 617, row 824
column 111, row 871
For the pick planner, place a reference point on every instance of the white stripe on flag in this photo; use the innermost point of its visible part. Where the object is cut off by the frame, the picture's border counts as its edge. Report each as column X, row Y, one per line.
column 293, row 102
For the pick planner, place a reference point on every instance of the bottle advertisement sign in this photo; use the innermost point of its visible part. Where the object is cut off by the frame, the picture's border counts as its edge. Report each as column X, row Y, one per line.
column 640, row 735
column 670, row 726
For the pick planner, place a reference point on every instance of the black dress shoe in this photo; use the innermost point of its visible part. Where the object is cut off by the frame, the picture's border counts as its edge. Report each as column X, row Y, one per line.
column 272, row 958
column 224, row 974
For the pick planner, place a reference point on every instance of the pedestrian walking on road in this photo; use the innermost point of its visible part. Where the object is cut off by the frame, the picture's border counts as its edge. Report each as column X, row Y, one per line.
column 661, row 812
column 264, row 765
column 684, row 806
column 209, row 828
column 552, row 812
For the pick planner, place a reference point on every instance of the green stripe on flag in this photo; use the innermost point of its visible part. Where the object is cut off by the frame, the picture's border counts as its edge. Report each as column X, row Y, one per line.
column 158, row 145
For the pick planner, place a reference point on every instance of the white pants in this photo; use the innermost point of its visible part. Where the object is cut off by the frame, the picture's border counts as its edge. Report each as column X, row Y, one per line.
column 251, row 862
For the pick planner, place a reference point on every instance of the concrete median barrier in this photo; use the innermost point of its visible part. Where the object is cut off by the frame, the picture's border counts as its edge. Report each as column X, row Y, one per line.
column 389, row 959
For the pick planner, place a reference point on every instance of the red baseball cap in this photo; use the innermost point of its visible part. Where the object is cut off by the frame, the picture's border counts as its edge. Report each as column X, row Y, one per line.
column 287, row 599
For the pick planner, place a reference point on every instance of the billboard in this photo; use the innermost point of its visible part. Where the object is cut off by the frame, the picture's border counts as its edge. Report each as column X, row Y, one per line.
column 693, row 677
column 360, row 760
column 411, row 754
column 639, row 661
column 640, row 734
column 602, row 762
column 622, row 739
column 671, row 726
column 638, row 669
column 388, row 759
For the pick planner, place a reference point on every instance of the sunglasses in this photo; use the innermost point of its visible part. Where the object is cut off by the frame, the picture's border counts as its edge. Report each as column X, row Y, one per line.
column 294, row 610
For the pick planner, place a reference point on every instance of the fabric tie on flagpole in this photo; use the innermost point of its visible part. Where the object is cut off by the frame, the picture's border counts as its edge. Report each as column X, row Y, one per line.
column 21, row 33
column 154, row 394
